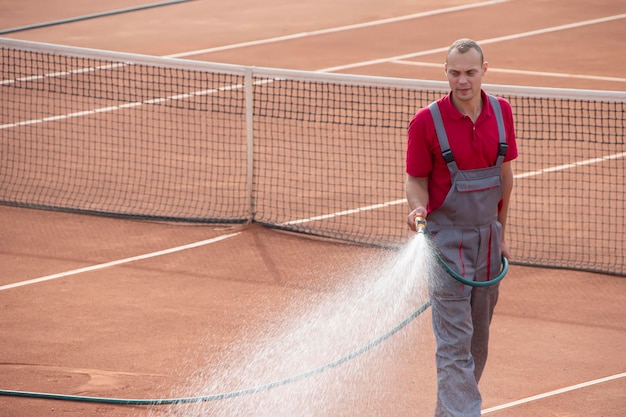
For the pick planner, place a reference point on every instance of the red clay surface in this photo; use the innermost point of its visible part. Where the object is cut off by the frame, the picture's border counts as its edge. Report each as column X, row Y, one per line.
column 138, row 330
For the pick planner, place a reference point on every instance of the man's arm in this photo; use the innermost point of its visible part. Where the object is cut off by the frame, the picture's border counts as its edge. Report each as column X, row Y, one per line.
column 507, row 189
column 417, row 196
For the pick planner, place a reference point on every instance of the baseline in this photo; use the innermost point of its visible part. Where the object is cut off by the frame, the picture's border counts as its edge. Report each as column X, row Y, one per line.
column 519, row 72
column 482, row 42
column 118, row 262
column 336, row 29
column 90, row 16
column 403, row 200
column 553, row 393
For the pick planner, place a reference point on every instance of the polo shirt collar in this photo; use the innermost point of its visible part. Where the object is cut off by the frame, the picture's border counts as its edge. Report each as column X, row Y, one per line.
column 448, row 107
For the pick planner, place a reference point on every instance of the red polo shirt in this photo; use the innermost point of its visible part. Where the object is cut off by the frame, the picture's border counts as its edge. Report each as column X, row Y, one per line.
column 473, row 145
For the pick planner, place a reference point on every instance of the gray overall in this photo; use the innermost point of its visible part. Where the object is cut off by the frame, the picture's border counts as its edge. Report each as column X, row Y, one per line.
column 466, row 232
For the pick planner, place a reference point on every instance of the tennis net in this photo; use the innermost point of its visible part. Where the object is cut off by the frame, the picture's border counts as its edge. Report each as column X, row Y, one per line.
column 156, row 138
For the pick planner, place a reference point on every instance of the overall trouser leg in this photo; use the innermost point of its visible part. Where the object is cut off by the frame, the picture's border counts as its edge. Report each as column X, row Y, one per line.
column 457, row 389
column 483, row 302
column 484, row 299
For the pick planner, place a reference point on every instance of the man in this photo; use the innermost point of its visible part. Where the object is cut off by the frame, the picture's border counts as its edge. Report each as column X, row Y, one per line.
column 460, row 180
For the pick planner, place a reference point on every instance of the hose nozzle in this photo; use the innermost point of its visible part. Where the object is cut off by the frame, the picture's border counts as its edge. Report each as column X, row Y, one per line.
column 420, row 224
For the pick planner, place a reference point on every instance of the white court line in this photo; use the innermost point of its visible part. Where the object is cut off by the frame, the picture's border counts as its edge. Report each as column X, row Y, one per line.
column 571, row 165
column 482, row 42
column 345, row 212
column 121, row 106
column 118, row 262
column 522, row 72
column 293, row 222
column 265, row 41
column 337, row 68
column 403, row 200
column 336, row 29
column 60, row 74
column 553, row 393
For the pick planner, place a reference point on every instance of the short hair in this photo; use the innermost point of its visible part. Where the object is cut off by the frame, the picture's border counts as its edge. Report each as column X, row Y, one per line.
column 464, row 45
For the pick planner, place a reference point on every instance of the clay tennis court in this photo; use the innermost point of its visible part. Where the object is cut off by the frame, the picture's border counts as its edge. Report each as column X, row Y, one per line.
column 120, row 308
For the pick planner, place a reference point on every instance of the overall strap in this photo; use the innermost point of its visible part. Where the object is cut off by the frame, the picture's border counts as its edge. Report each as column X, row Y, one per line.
column 502, row 146
column 446, row 152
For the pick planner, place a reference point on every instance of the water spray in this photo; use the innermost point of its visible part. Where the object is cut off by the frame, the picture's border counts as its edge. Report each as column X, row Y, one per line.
column 255, row 388
column 420, row 227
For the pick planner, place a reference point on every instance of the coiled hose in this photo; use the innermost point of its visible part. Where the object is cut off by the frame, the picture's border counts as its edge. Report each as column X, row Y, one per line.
column 420, row 227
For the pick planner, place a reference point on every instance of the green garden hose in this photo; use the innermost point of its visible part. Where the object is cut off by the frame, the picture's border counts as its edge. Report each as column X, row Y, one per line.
column 420, row 227
column 232, row 394
column 455, row 275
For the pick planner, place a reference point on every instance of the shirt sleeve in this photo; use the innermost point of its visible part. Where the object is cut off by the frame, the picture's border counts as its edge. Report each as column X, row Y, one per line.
column 419, row 161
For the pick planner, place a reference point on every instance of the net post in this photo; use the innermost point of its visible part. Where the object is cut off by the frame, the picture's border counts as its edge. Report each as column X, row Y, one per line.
column 249, row 85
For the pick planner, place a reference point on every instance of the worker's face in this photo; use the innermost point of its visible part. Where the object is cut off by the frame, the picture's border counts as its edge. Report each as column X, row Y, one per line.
column 465, row 73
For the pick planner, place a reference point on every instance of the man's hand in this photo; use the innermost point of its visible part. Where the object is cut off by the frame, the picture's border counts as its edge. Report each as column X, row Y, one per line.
column 418, row 212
